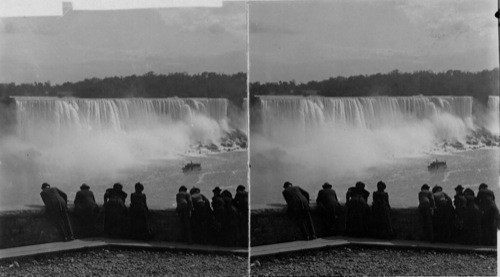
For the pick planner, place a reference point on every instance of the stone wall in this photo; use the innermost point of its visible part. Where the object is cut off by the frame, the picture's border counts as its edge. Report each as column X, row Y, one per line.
column 272, row 225
column 31, row 226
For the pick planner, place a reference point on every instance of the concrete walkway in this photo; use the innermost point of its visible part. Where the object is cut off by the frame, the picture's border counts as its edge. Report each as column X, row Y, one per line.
column 256, row 251
column 78, row 244
column 327, row 242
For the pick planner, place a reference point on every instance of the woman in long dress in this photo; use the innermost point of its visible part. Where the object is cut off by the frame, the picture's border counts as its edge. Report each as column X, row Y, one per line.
column 139, row 214
column 381, row 213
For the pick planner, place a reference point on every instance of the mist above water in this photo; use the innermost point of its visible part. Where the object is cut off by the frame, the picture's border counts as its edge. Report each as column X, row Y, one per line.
column 317, row 138
column 68, row 140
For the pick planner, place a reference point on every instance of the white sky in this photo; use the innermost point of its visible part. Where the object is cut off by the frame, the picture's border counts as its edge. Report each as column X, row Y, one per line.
column 300, row 40
column 315, row 40
column 86, row 44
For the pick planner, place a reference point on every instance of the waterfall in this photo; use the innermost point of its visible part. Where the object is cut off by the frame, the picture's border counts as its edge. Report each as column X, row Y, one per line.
column 59, row 137
column 493, row 116
column 77, row 114
column 308, row 115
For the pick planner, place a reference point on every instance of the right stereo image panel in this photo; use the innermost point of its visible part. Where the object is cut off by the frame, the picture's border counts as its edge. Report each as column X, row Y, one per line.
column 374, row 137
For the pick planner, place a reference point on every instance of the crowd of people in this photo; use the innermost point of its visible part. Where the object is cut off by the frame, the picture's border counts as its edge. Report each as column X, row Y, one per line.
column 224, row 221
column 467, row 219
column 119, row 221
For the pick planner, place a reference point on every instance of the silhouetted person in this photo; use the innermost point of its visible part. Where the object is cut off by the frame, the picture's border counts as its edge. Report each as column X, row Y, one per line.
column 241, row 204
column 426, row 208
column 472, row 219
column 381, row 212
column 115, row 211
column 86, row 210
column 201, row 217
column 219, row 213
column 184, row 209
column 139, row 213
column 460, row 204
column 56, row 209
column 298, row 209
column 443, row 216
column 230, row 222
column 486, row 200
column 357, row 210
column 328, row 207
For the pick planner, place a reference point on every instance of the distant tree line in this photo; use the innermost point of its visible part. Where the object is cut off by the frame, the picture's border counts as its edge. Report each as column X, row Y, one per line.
column 149, row 85
column 452, row 82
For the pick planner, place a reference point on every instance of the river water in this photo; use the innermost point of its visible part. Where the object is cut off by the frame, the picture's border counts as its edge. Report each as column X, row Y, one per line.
column 312, row 140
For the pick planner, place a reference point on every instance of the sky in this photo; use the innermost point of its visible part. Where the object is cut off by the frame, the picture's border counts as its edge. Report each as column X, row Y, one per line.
column 104, row 43
column 316, row 40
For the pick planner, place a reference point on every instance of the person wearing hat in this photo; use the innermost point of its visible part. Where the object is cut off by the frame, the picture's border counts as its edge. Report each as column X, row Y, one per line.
column 426, row 206
column 184, row 209
column 381, row 213
column 358, row 210
column 298, row 209
column 241, row 204
column 86, row 210
column 56, row 208
column 230, row 230
column 139, row 214
column 443, row 216
column 472, row 219
column 218, row 208
column 486, row 200
column 328, row 207
column 460, row 204
column 115, row 211
column 202, row 216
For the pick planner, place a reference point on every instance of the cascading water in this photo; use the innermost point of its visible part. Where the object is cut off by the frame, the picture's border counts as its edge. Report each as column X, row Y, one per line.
column 312, row 140
column 493, row 116
column 73, row 114
column 319, row 114
column 70, row 140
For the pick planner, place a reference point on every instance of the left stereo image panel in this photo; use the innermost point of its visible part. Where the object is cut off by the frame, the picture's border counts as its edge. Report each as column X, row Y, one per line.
column 123, row 135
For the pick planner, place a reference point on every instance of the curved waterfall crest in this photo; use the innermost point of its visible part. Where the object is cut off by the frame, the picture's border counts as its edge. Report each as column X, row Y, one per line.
column 361, row 112
column 116, row 114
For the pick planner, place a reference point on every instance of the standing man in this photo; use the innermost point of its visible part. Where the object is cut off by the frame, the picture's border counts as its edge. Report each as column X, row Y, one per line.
column 184, row 209
column 86, row 209
column 460, row 203
column 219, row 212
column 57, row 209
column 443, row 216
column 241, row 204
column 426, row 208
column 486, row 201
column 202, row 215
column 298, row 209
column 328, row 207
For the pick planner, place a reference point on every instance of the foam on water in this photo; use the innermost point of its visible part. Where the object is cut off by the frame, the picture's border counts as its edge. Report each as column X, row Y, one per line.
column 70, row 140
column 318, row 139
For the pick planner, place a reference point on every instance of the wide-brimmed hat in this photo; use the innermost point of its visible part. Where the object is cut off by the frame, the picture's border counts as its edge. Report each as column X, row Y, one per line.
column 84, row 186
column 459, row 187
column 327, row 185
column 216, row 189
